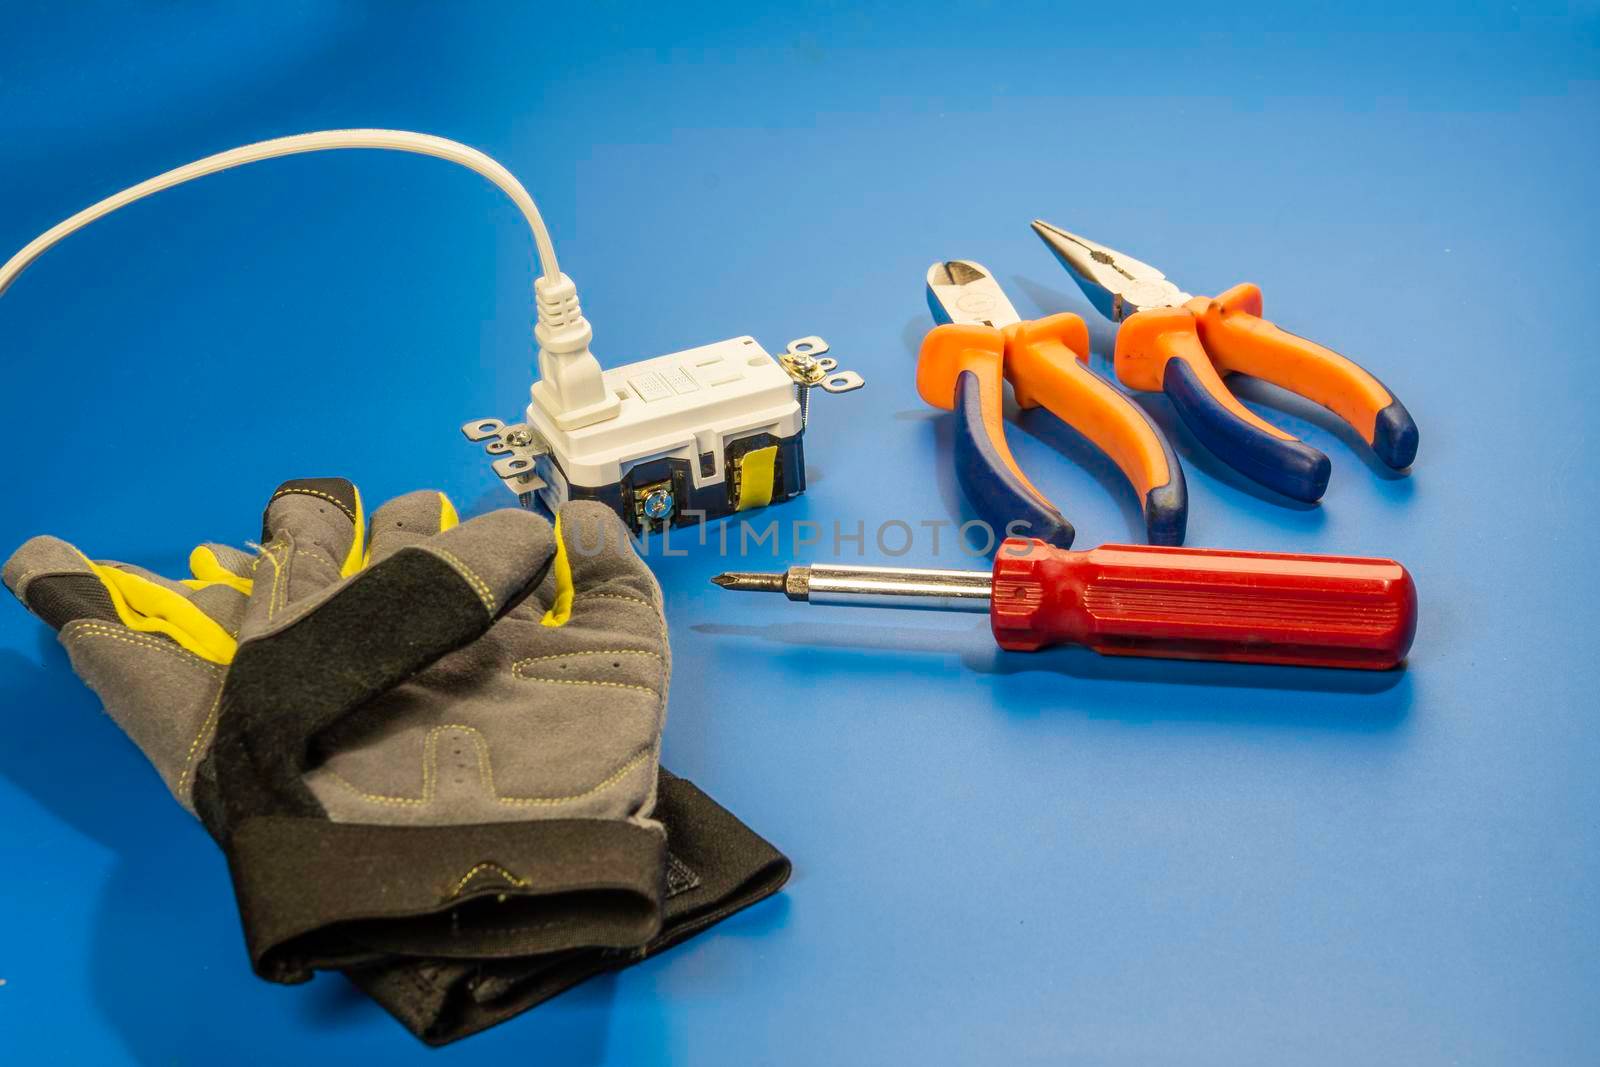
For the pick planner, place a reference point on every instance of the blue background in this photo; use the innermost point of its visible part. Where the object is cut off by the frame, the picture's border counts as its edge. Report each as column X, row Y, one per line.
column 998, row 858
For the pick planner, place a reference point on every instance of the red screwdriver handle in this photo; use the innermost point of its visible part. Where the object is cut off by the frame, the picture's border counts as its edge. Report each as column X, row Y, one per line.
column 1203, row 603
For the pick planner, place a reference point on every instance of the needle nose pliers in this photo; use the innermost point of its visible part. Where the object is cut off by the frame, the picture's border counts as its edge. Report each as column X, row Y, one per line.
column 1179, row 344
column 980, row 344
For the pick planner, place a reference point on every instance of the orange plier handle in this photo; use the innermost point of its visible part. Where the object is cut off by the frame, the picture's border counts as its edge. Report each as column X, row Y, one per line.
column 963, row 368
column 1185, row 351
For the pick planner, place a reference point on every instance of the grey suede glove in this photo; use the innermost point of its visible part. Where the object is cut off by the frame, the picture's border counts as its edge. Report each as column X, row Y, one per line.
column 443, row 746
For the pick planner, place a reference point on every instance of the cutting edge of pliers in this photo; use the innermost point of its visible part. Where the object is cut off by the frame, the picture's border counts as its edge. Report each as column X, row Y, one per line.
column 981, row 343
column 1115, row 283
column 1182, row 345
column 964, row 293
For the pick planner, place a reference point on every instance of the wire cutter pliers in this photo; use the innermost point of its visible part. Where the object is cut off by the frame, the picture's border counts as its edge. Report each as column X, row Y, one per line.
column 982, row 343
column 1175, row 343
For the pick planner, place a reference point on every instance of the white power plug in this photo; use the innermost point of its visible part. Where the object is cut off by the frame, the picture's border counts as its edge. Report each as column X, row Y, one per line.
column 570, row 386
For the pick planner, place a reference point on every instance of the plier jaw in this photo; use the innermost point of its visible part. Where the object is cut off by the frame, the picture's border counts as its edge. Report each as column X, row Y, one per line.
column 965, row 293
column 1116, row 284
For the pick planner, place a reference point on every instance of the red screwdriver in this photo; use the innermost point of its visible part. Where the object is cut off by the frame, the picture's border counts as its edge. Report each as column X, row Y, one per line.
column 1148, row 600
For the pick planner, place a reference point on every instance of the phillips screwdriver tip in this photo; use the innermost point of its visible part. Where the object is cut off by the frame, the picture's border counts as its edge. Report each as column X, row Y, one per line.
column 750, row 581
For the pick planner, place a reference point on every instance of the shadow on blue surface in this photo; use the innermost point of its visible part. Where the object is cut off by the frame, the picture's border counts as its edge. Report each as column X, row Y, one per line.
column 837, row 649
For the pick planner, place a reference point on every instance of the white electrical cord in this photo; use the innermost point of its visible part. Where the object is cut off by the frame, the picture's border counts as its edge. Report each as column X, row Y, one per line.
column 573, row 389
column 395, row 140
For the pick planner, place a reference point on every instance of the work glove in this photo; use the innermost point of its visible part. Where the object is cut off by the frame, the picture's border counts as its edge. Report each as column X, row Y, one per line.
column 444, row 745
column 716, row 867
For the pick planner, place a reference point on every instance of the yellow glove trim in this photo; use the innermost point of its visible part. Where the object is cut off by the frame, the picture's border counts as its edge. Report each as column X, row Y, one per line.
column 448, row 519
column 356, row 558
column 150, row 608
column 561, row 609
column 209, row 571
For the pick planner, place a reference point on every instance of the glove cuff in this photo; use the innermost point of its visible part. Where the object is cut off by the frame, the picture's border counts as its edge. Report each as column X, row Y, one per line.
column 717, row 866
column 314, row 894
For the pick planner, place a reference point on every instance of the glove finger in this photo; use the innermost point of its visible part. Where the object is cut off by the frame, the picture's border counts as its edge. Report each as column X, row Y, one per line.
column 311, row 536
column 408, row 519
column 322, row 656
column 61, row 585
column 600, row 656
column 55, row 582
column 151, row 653
column 597, row 570
column 222, row 583
column 221, row 564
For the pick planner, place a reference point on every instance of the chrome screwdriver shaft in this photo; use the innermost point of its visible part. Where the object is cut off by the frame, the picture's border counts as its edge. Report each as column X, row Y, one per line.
column 876, row 587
